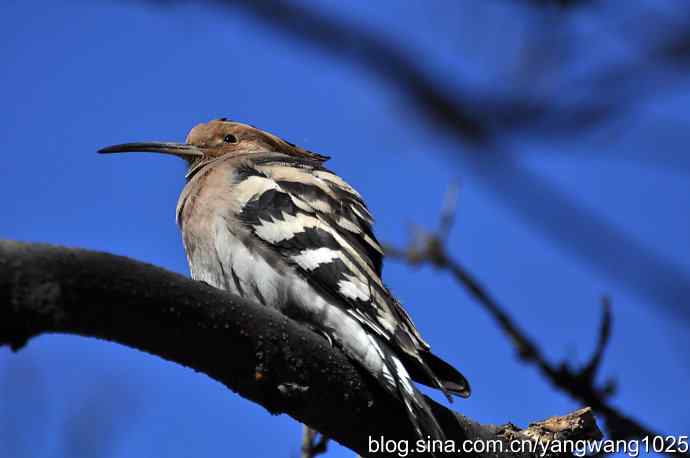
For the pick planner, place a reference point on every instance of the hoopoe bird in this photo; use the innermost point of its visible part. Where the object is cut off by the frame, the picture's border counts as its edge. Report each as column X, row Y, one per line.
column 266, row 220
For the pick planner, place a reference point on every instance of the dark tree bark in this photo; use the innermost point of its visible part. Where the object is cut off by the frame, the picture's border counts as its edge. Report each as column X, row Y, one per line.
column 253, row 350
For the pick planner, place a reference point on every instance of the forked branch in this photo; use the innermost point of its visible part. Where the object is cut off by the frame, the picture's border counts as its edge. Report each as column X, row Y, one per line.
column 580, row 384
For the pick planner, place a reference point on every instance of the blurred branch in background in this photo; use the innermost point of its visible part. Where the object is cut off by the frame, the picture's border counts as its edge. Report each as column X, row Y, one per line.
column 580, row 384
column 93, row 426
column 485, row 121
column 19, row 430
column 101, row 420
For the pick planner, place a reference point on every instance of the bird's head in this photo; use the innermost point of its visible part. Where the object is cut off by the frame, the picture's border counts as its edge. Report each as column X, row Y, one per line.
column 217, row 138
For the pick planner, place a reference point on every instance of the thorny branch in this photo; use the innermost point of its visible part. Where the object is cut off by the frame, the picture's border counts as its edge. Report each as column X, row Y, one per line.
column 277, row 363
column 580, row 384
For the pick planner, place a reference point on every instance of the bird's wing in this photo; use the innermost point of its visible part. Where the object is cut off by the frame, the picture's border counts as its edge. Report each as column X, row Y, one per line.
column 321, row 225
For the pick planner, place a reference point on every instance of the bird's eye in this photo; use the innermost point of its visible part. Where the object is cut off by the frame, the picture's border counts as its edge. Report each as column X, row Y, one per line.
column 230, row 139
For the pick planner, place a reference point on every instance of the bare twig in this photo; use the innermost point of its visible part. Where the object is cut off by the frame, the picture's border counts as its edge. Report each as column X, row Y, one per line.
column 450, row 203
column 590, row 370
column 579, row 384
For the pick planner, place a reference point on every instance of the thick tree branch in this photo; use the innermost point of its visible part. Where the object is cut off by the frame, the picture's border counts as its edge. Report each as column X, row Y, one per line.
column 251, row 349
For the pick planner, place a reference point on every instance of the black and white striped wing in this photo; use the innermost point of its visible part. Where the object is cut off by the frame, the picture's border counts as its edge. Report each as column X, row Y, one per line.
column 321, row 225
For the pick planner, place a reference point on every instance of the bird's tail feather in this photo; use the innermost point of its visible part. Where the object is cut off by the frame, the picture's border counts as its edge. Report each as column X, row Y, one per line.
column 401, row 385
column 430, row 370
column 451, row 379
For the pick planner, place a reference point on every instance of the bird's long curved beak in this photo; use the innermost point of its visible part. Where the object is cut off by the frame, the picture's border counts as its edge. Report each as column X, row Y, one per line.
column 176, row 149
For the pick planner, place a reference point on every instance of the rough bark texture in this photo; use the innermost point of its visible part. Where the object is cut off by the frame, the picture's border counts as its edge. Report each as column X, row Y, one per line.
column 251, row 349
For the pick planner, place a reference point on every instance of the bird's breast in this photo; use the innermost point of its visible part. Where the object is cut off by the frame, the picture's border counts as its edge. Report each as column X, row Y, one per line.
column 216, row 243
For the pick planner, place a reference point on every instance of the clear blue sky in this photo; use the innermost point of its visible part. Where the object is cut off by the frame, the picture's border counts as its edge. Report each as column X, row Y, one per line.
column 80, row 75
